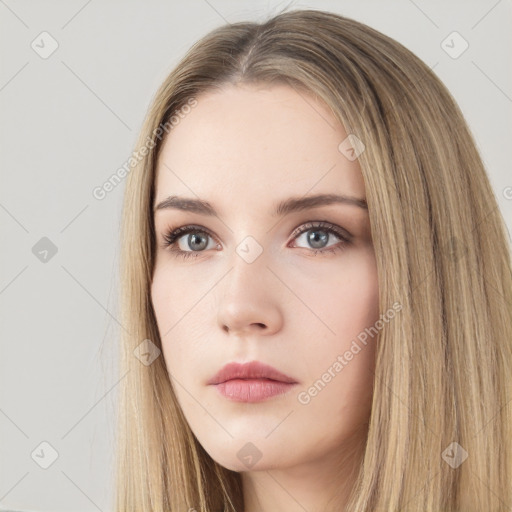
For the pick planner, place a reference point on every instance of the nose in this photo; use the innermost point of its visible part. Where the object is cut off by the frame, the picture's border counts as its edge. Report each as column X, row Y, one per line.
column 250, row 302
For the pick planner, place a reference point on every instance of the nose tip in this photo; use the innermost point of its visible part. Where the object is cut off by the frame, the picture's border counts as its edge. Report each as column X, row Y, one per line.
column 249, row 304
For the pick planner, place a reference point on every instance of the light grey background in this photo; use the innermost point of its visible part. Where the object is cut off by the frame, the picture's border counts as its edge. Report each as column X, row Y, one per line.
column 68, row 122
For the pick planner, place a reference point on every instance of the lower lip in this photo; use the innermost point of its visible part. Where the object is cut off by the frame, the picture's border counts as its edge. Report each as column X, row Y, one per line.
column 252, row 390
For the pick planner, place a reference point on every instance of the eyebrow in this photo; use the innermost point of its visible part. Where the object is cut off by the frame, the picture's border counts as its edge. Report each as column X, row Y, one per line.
column 293, row 204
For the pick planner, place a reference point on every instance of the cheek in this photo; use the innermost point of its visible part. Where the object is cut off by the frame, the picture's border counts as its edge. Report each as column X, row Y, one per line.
column 177, row 306
column 355, row 305
column 345, row 296
column 168, row 313
column 341, row 359
column 161, row 298
column 172, row 294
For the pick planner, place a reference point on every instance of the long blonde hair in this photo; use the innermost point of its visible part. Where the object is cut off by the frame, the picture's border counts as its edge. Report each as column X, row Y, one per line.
column 443, row 365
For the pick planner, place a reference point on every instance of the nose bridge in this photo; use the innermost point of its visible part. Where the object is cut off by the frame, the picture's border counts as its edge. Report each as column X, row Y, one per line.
column 248, row 263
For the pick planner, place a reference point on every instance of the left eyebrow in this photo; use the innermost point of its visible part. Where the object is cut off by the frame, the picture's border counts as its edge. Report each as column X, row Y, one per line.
column 297, row 204
column 293, row 204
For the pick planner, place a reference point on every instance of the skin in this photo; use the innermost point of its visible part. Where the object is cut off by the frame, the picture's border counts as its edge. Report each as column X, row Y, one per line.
column 243, row 149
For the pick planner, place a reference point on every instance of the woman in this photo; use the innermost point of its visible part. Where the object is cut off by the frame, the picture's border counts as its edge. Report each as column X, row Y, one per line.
column 316, row 284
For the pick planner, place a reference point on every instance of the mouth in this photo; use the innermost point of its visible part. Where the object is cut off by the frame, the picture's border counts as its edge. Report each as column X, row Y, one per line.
column 252, row 390
column 251, row 382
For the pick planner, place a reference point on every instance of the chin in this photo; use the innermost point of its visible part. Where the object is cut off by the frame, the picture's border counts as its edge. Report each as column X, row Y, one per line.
column 241, row 455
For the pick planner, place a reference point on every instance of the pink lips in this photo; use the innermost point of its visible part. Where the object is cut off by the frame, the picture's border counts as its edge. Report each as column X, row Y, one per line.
column 251, row 382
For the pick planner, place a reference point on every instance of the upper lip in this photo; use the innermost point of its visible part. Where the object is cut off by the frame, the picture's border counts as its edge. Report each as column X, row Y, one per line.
column 252, row 370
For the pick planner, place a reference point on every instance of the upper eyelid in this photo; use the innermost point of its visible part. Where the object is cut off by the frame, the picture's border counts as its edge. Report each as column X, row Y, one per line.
column 319, row 224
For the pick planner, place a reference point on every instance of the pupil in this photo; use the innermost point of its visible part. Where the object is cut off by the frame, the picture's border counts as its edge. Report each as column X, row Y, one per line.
column 195, row 240
column 313, row 239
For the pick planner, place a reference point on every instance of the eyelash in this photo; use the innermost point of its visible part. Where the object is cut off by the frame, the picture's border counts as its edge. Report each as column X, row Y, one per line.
column 172, row 236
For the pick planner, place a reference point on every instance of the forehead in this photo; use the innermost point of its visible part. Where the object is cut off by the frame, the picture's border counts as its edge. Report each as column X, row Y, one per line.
column 250, row 145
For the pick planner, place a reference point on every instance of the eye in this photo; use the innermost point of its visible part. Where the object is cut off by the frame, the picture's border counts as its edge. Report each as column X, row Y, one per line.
column 316, row 235
column 197, row 239
column 191, row 241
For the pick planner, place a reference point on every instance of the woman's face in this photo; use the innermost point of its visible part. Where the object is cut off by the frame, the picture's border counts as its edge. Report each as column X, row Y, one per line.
column 293, row 288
